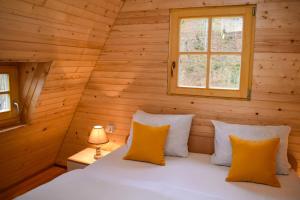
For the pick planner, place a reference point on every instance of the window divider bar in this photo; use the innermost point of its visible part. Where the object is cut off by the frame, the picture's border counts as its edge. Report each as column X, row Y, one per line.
column 205, row 53
column 193, row 53
column 208, row 52
column 226, row 53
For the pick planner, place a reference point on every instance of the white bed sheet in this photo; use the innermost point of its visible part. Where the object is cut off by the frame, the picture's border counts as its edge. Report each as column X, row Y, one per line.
column 193, row 177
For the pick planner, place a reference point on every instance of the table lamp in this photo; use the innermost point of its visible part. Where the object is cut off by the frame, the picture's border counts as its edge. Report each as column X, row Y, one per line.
column 98, row 137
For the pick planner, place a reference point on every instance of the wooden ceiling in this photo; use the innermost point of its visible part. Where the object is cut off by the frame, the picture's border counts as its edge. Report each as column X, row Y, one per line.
column 70, row 33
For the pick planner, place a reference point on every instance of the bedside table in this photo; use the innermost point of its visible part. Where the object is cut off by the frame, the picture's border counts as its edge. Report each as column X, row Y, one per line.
column 83, row 158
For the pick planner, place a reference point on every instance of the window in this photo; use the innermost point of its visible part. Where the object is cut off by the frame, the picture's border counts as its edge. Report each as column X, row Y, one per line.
column 211, row 51
column 9, row 113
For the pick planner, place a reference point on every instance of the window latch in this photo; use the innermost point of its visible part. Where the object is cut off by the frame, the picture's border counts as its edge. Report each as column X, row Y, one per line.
column 16, row 106
column 173, row 68
column 254, row 11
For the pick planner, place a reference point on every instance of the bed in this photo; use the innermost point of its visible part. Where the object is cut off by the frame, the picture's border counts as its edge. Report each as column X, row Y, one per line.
column 193, row 177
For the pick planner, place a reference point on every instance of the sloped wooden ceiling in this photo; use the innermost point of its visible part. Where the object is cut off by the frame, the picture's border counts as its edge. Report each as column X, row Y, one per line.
column 131, row 74
column 69, row 32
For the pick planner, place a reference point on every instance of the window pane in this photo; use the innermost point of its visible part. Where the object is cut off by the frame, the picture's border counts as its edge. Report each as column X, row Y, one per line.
column 4, row 103
column 225, row 72
column 4, row 82
column 192, row 71
column 227, row 34
column 193, row 35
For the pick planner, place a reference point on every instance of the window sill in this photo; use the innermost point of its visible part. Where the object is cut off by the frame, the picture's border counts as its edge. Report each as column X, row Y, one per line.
column 3, row 130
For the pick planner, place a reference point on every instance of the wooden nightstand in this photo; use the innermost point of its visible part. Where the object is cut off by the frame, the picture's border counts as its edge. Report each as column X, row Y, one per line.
column 83, row 158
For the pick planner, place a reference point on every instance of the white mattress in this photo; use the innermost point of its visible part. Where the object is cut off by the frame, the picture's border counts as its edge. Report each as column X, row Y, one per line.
column 193, row 177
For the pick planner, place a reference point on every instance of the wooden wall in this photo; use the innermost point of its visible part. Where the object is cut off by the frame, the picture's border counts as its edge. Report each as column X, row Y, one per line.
column 32, row 77
column 131, row 74
column 70, row 33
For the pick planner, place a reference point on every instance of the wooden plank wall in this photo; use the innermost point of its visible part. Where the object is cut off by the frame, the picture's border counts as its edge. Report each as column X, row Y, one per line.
column 32, row 77
column 131, row 74
column 70, row 33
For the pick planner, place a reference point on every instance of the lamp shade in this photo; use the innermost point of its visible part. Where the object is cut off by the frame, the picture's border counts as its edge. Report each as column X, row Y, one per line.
column 98, row 135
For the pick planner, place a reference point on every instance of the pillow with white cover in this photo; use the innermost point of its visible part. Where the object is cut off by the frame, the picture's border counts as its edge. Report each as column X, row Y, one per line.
column 180, row 125
column 222, row 155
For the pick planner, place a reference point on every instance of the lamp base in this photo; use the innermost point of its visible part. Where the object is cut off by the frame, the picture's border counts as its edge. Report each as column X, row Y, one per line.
column 98, row 153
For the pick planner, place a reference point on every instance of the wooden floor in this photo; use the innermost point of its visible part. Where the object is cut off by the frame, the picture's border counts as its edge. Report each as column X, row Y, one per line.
column 31, row 183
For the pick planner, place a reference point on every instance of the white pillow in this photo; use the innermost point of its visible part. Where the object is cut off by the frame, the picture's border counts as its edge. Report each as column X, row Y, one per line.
column 222, row 155
column 180, row 125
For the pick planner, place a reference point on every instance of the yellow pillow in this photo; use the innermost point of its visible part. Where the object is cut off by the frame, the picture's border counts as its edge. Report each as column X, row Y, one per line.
column 254, row 161
column 148, row 143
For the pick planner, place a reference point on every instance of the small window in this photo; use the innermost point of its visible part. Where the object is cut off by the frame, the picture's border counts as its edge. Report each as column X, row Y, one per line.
column 9, row 114
column 211, row 51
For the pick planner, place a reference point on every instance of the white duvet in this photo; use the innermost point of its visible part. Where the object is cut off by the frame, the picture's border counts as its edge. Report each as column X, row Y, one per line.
column 113, row 178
